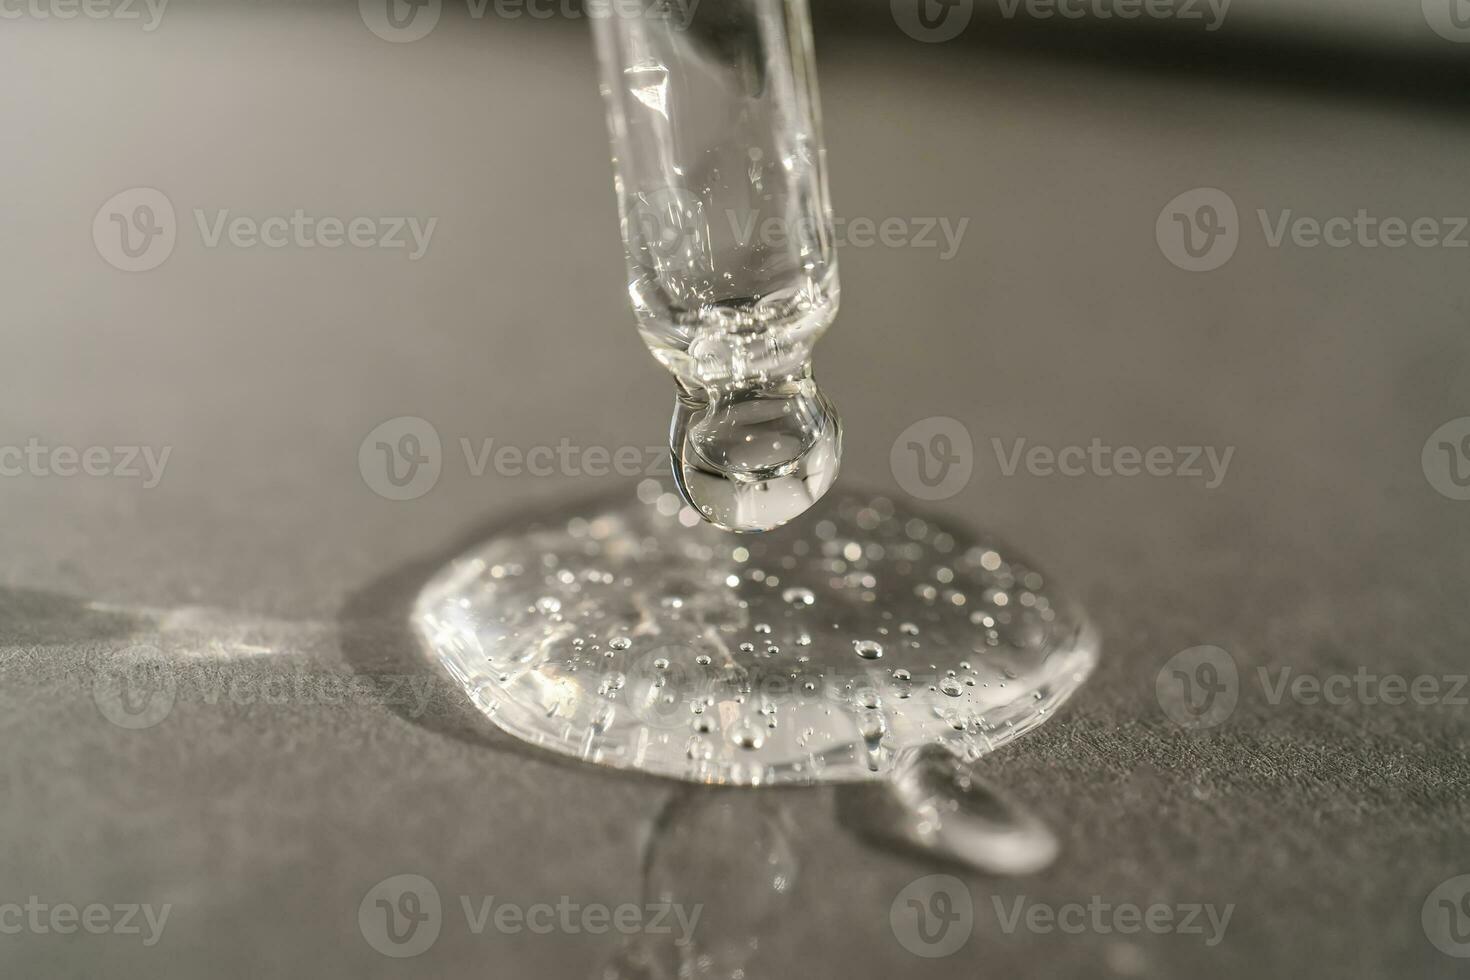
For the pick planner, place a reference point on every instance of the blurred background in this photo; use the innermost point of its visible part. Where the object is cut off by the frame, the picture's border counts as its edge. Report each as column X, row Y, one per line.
column 1232, row 229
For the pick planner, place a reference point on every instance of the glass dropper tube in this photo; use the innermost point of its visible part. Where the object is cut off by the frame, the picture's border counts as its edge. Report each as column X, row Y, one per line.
column 732, row 274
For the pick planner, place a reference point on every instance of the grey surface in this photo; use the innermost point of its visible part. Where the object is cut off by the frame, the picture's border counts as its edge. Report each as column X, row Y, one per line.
column 263, row 550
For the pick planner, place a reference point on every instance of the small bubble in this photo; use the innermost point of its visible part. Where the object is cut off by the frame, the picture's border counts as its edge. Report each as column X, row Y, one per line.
column 868, row 649
column 799, row 597
column 747, row 736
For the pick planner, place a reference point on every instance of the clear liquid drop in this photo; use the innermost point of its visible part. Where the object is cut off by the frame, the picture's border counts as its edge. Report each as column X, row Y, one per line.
column 753, row 456
column 937, row 805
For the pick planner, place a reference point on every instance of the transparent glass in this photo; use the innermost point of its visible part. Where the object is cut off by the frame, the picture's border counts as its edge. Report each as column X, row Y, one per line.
column 726, row 223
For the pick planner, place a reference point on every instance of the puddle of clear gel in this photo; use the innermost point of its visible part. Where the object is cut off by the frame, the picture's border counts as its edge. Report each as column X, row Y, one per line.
column 640, row 637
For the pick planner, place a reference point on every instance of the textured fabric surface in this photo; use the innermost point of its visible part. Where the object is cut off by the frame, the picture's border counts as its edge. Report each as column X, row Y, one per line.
column 263, row 812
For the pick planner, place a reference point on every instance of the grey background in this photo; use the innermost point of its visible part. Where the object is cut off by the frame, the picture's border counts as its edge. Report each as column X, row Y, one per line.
column 1059, row 320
